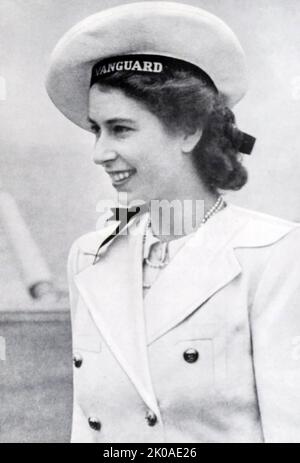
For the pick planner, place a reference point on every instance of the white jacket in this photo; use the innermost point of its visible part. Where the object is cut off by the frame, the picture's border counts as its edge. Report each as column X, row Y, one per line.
column 231, row 294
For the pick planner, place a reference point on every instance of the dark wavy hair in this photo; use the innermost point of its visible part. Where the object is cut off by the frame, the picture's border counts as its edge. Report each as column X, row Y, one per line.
column 184, row 101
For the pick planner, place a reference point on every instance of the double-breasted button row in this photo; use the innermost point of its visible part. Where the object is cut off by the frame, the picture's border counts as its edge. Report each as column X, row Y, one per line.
column 95, row 423
column 191, row 355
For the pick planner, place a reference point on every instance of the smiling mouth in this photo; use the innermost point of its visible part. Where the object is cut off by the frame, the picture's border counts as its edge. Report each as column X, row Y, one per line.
column 120, row 177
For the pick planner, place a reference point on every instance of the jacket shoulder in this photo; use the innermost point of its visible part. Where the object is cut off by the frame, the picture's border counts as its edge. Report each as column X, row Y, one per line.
column 261, row 229
column 263, row 217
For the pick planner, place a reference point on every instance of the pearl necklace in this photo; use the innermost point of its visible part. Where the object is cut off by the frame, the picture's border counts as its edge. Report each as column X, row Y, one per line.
column 217, row 206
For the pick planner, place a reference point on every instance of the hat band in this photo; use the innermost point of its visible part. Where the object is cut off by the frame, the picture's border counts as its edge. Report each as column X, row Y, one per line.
column 145, row 64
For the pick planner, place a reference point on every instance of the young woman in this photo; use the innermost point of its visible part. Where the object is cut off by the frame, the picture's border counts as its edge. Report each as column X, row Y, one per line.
column 187, row 336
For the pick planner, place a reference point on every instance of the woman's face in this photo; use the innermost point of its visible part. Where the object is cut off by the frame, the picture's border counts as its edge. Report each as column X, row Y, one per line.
column 140, row 156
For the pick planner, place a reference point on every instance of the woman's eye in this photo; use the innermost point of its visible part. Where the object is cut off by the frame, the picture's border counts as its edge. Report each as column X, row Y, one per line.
column 121, row 129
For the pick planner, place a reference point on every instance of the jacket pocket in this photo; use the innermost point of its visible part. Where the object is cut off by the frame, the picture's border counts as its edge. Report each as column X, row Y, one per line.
column 196, row 362
column 202, row 357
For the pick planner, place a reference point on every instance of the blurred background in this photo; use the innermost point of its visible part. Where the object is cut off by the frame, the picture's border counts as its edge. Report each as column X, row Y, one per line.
column 51, row 187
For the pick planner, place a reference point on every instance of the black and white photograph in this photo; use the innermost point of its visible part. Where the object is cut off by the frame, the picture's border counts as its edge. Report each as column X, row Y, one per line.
column 150, row 223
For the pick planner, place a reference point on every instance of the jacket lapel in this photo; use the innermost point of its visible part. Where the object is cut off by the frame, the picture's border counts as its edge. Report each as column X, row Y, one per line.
column 206, row 264
column 112, row 290
column 202, row 267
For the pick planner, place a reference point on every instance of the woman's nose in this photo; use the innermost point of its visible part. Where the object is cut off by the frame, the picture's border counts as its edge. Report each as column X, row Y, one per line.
column 103, row 151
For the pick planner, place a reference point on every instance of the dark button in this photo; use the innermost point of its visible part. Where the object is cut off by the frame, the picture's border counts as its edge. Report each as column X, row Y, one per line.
column 191, row 355
column 77, row 360
column 94, row 423
column 151, row 418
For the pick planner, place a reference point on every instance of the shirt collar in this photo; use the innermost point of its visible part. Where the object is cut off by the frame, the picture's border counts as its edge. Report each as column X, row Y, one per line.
column 151, row 239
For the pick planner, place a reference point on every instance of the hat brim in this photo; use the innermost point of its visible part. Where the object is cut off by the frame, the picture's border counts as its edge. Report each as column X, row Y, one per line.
column 163, row 28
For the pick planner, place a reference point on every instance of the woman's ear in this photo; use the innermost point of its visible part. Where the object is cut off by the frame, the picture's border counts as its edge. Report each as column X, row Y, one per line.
column 190, row 140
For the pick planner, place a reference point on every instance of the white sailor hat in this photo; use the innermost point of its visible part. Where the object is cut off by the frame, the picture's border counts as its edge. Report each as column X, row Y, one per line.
column 153, row 32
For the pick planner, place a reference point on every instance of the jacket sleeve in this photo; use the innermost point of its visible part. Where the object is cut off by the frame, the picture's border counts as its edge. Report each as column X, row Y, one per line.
column 275, row 322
